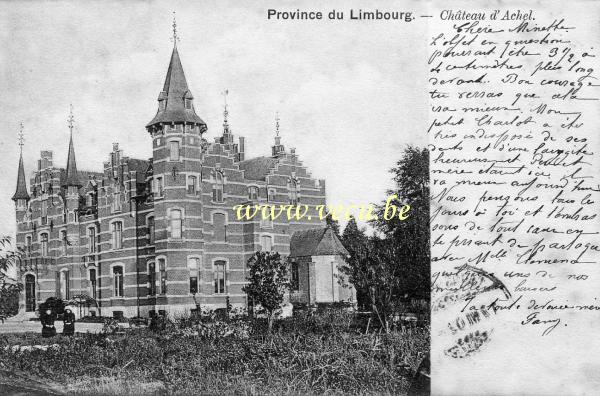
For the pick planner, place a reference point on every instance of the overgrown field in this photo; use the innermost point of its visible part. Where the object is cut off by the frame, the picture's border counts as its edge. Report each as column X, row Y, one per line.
column 309, row 355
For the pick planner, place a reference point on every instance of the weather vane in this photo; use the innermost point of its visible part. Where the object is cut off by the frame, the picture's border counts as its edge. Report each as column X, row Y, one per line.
column 21, row 138
column 71, row 118
column 175, row 37
column 277, row 124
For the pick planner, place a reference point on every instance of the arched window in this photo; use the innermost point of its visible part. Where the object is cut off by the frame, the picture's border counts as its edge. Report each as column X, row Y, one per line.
column 220, row 276
column 29, row 293
column 44, row 244
column 117, row 235
column 218, row 187
column 176, row 223
column 117, row 273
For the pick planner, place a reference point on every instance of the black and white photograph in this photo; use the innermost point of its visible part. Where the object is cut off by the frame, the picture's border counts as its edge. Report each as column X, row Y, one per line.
column 214, row 198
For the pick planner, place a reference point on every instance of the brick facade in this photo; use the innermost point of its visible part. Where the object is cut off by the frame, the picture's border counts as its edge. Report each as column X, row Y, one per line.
column 90, row 233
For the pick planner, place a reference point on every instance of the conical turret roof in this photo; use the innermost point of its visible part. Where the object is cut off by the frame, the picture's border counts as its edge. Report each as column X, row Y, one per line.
column 21, row 191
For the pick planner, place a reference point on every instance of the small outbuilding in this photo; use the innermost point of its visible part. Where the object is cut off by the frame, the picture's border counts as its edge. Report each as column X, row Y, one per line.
column 316, row 256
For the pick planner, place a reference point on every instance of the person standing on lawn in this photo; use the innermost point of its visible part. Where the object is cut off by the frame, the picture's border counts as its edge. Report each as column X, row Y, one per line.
column 69, row 323
column 47, row 319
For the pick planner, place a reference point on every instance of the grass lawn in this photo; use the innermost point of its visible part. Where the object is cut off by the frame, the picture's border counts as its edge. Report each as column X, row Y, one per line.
column 316, row 355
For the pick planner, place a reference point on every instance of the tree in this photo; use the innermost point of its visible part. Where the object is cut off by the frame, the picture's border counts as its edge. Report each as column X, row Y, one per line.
column 355, row 239
column 267, row 282
column 9, row 288
column 394, row 263
column 412, row 236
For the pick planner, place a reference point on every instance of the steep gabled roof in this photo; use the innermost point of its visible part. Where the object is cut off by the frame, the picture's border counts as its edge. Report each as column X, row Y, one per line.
column 316, row 242
column 257, row 168
column 174, row 92
column 21, row 191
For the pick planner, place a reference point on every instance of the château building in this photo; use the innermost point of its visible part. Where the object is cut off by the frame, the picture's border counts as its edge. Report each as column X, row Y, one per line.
column 142, row 237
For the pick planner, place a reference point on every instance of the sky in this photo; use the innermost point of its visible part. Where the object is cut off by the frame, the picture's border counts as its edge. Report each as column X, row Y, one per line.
column 349, row 94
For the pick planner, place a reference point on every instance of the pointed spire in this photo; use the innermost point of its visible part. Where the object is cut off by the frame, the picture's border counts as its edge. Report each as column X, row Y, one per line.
column 72, row 178
column 175, row 100
column 21, row 191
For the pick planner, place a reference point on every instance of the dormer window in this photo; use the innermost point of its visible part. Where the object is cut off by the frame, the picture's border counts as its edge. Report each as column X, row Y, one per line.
column 188, row 104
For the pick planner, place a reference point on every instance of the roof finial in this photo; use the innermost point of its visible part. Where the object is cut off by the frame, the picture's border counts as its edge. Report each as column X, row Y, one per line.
column 21, row 138
column 175, row 38
column 277, row 124
column 71, row 119
column 225, row 112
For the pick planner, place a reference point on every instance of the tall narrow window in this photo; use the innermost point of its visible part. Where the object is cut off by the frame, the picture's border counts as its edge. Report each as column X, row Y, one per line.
column 271, row 195
column 253, row 193
column 93, row 283
column 218, row 187
column 44, row 212
column 152, row 278
column 163, row 276
column 92, row 240
column 44, row 244
column 174, row 150
column 28, row 243
column 293, row 191
column 219, row 276
column 117, row 235
column 117, row 202
column 63, row 241
column 159, row 187
column 64, row 285
column 88, row 199
column 118, row 281
column 220, row 231
column 176, row 223
column 295, row 277
column 193, row 265
column 29, row 293
column 191, row 185
column 266, row 241
column 151, row 230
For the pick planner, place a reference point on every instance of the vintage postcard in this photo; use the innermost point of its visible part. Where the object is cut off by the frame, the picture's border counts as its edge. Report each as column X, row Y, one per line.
column 299, row 197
